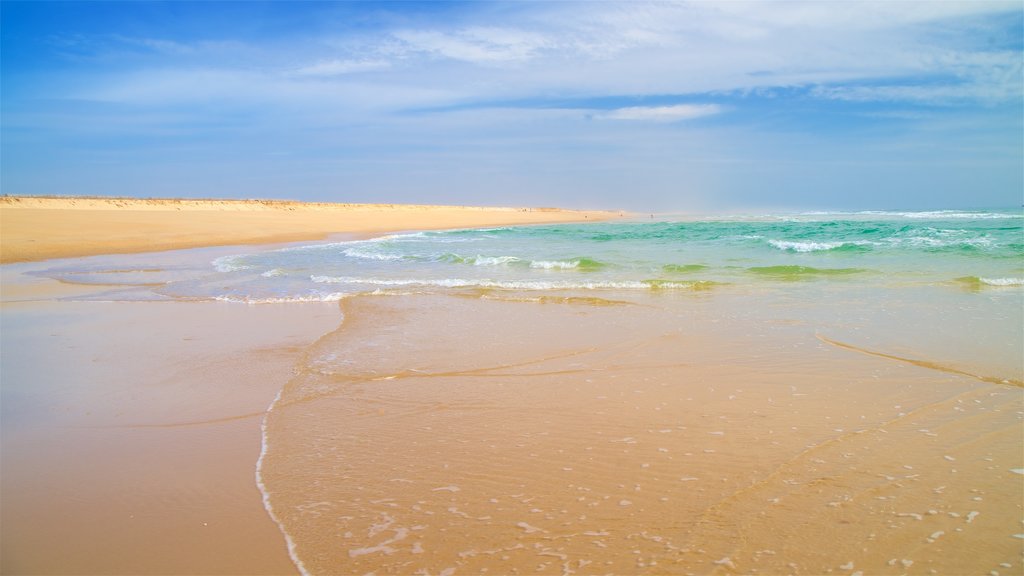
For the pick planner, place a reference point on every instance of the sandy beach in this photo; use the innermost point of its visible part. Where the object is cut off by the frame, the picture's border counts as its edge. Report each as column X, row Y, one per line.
column 512, row 288
column 37, row 228
column 131, row 430
column 441, row 426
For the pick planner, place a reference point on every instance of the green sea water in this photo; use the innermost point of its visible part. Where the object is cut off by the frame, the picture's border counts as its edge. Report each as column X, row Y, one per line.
column 973, row 250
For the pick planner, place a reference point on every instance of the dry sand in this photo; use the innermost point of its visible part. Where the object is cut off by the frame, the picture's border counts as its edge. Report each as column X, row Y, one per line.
column 38, row 228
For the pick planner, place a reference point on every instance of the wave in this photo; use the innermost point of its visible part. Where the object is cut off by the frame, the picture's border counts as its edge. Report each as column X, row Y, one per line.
column 356, row 244
column 585, row 300
column 794, row 246
column 1003, row 281
column 978, row 282
column 315, row 297
column 574, row 263
column 799, row 272
column 931, row 242
column 361, row 252
column 229, row 264
column 684, row 268
column 697, row 285
column 492, row 260
column 655, row 284
column 479, row 260
column 922, row 214
column 943, row 214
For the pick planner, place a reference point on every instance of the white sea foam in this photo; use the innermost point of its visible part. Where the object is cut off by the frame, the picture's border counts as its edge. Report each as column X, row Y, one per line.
column 529, row 529
column 938, row 240
column 272, row 273
column 492, row 260
column 941, row 214
column 552, row 264
column 312, row 297
column 229, row 263
column 509, row 285
column 378, row 248
column 806, row 246
column 1002, row 281
column 363, row 252
column 264, row 443
column 943, row 241
column 446, row 237
column 327, row 246
column 335, row 246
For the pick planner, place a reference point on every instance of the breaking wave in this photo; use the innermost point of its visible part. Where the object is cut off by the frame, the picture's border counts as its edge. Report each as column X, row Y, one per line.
column 654, row 284
column 793, row 246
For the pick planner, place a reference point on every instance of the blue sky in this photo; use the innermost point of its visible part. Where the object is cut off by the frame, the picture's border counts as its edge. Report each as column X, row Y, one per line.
column 641, row 106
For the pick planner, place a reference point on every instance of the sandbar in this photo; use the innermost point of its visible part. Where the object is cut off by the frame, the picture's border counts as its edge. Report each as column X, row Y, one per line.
column 38, row 228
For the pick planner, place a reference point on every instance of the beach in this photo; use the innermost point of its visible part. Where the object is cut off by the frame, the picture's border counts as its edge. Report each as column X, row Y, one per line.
column 131, row 429
column 37, row 228
column 439, row 391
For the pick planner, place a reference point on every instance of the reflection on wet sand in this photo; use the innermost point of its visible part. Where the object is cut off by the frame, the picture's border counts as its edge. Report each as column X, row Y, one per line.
column 440, row 435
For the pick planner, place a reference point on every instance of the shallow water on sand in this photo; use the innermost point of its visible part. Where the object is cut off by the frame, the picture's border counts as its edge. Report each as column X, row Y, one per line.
column 658, row 434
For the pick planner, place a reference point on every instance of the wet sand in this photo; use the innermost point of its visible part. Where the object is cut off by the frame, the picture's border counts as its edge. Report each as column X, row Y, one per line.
column 673, row 435
column 37, row 228
column 130, row 433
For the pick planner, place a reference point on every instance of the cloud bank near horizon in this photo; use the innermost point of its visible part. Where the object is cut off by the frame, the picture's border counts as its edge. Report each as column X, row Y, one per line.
column 634, row 105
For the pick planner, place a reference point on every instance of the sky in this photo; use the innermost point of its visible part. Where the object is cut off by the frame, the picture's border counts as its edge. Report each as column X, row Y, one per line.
column 662, row 106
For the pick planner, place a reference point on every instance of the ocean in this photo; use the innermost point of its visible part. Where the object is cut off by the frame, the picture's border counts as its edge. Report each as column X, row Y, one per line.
column 950, row 281
column 797, row 393
column 973, row 250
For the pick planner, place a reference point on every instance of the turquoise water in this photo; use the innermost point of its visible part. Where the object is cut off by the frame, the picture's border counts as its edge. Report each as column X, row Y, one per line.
column 972, row 250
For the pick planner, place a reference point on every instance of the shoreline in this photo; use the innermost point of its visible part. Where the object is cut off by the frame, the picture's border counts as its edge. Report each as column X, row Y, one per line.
column 41, row 228
column 401, row 429
column 68, row 466
column 519, row 454
column 136, row 451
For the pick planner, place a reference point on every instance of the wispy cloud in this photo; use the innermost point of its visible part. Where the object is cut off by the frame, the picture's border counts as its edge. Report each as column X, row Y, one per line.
column 598, row 49
column 409, row 94
column 661, row 113
column 337, row 67
column 477, row 44
column 935, row 94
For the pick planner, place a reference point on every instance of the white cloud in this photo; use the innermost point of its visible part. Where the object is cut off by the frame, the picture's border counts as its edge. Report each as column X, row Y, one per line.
column 341, row 67
column 483, row 44
column 168, row 47
column 581, row 50
column 636, row 48
column 661, row 113
column 931, row 94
